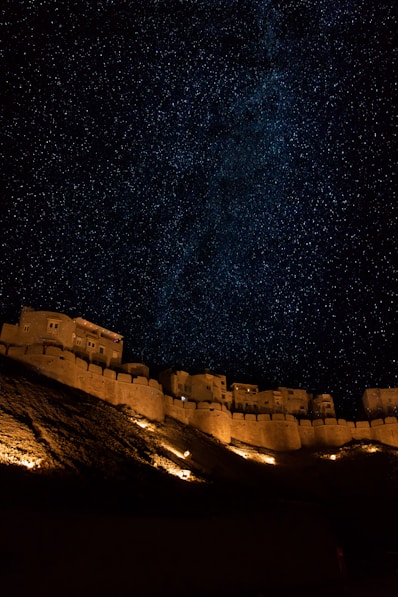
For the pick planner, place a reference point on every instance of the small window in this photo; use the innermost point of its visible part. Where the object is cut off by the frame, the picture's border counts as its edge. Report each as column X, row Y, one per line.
column 78, row 341
column 102, row 349
column 26, row 328
column 53, row 326
column 90, row 344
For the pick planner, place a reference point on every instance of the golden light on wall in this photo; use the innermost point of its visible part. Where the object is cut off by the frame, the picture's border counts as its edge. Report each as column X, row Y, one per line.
column 251, row 454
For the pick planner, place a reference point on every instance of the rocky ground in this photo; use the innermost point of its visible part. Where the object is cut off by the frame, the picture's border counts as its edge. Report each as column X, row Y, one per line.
column 96, row 500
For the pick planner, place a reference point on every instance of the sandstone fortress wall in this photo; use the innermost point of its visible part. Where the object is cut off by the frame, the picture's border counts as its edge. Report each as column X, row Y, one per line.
column 129, row 384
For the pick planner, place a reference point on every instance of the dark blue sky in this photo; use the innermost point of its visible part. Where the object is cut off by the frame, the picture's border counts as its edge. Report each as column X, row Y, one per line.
column 212, row 179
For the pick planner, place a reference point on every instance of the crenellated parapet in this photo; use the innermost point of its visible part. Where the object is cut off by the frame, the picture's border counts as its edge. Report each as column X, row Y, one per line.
column 140, row 393
column 212, row 418
column 130, row 384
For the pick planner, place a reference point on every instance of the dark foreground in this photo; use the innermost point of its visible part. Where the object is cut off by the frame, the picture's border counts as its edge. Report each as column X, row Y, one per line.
column 287, row 548
column 103, row 514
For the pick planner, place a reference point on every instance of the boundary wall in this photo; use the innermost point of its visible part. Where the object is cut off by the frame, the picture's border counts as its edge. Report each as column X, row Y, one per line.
column 277, row 432
column 281, row 432
column 143, row 395
column 210, row 417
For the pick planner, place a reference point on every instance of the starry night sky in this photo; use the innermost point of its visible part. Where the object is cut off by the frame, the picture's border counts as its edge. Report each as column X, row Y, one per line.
column 214, row 179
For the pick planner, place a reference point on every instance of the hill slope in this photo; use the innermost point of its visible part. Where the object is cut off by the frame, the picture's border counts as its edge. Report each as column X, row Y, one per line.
column 71, row 461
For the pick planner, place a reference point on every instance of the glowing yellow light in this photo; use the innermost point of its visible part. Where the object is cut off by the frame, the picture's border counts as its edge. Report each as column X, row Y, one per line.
column 252, row 454
column 238, row 451
column 187, row 453
column 371, row 449
column 173, row 469
column 31, row 463
column 332, row 457
column 184, row 474
column 172, row 450
column 269, row 459
column 144, row 424
column 15, row 458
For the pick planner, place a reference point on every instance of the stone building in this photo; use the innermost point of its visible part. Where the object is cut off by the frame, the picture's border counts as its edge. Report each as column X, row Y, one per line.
column 323, row 406
column 378, row 402
column 295, row 401
column 135, row 369
column 209, row 387
column 270, row 401
column 198, row 387
column 248, row 398
column 244, row 397
column 176, row 383
column 78, row 335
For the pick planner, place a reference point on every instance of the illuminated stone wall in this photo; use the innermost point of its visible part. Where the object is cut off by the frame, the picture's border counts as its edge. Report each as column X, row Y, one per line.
column 214, row 419
column 210, row 417
column 331, row 432
column 276, row 432
column 279, row 432
column 386, row 431
column 306, row 433
column 143, row 395
column 47, row 328
column 380, row 401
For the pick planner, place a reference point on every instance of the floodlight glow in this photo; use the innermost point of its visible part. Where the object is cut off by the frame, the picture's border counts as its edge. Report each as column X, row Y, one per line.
column 252, row 454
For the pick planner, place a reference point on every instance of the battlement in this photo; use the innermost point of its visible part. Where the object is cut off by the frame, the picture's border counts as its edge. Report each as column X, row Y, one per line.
column 200, row 400
column 144, row 395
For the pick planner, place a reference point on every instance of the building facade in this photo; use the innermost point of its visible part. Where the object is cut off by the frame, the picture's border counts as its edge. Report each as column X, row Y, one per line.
column 198, row 387
column 323, row 406
column 378, row 402
column 244, row 396
column 78, row 335
column 248, row 398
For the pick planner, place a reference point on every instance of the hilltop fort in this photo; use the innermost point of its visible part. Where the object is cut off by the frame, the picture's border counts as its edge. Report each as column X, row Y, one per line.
column 86, row 356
